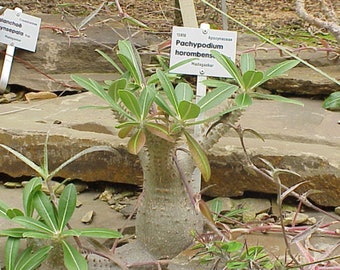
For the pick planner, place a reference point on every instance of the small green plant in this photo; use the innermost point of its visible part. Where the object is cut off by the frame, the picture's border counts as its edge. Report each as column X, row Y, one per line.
column 233, row 255
column 46, row 218
column 332, row 102
column 219, row 216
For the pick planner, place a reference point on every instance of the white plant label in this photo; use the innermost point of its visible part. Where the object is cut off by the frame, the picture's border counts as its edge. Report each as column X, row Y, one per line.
column 19, row 30
column 197, row 43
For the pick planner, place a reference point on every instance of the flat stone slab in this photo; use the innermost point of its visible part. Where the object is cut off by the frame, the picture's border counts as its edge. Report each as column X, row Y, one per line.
column 61, row 50
column 303, row 139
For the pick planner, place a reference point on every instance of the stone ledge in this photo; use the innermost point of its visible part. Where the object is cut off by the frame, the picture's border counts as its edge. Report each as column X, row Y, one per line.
column 61, row 54
column 303, row 139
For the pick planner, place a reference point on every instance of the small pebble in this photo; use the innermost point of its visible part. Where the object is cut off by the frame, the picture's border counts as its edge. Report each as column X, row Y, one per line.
column 88, row 217
column 12, row 185
column 298, row 219
column 337, row 210
column 78, row 203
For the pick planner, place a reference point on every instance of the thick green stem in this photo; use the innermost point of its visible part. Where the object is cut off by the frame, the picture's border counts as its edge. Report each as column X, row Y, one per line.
column 166, row 216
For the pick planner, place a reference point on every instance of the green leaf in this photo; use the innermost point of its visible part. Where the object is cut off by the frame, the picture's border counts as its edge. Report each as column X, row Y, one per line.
column 216, row 97
column 126, row 128
column 131, row 102
column 332, row 102
column 30, row 261
column 153, row 79
column 183, row 91
column 168, row 89
column 230, row 66
column 279, row 69
column 181, row 63
column 160, row 101
column 277, row 98
column 215, row 83
column 160, row 131
column 14, row 212
column 232, row 246
column 24, row 159
column 14, row 232
column 216, row 207
column 45, row 209
column 93, row 87
column 28, row 194
column 93, row 232
column 45, row 162
column 115, row 86
column 130, row 60
column 199, row 156
column 3, row 209
column 136, row 142
column 188, row 110
column 11, row 252
column 80, row 154
column 32, row 224
column 251, row 79
column 130, row 67
column 99, row 91
column 73, row 260
column 243, row 99
column 66, row 205
column 146, row 99
column 247, row 62
column 37, row 235
column 110, row 60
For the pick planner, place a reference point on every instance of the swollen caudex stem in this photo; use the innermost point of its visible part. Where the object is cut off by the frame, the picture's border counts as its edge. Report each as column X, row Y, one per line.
column 166, row 216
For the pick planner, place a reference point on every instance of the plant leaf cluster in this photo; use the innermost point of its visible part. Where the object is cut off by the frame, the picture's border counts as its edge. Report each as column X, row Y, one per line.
column 155, row 106
column 43, row 218
column 233, row 255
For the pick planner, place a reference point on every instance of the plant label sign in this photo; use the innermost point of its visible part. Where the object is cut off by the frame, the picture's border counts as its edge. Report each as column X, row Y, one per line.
column 196, row 43
column 19, row 30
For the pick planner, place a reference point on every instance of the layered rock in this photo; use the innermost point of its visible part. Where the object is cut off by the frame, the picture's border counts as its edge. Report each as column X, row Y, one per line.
column 302, row 139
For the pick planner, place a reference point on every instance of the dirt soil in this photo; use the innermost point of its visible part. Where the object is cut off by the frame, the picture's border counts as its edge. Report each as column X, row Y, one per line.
column 276, row 19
